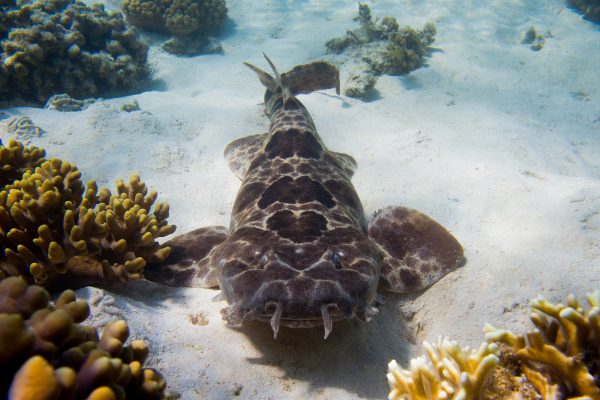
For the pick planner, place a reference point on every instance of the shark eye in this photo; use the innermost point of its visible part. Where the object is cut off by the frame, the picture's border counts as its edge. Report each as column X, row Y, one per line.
column 263, row 260
column 336, row 259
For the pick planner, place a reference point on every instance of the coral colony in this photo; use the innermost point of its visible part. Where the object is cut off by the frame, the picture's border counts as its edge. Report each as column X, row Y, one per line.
column 60, row 46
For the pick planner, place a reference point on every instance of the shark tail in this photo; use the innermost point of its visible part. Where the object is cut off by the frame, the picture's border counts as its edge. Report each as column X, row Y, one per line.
column 301, row 79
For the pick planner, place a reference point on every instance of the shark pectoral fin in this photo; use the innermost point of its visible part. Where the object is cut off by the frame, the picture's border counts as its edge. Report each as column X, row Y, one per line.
column 189, row 262
column 240, row 153
column 347, row 161
column 417, row 250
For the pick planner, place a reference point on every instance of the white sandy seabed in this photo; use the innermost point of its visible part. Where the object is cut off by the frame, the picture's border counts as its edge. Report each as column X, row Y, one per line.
column 498, row 143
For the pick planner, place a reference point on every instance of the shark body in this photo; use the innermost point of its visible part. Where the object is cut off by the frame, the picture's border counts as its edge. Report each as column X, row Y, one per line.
column 300, row 251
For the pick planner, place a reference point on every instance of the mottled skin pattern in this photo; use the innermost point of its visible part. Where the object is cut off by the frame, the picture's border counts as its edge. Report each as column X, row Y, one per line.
column 300, row 251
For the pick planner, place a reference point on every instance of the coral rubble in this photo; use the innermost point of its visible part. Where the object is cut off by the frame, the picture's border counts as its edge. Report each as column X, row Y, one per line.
column 47, row 354
column 22, row 128
column 65, row 103
column 560, row 359
column 381, row 47
column 63, row 46
column 589, row 8
column 189, row 21
column 56, row 232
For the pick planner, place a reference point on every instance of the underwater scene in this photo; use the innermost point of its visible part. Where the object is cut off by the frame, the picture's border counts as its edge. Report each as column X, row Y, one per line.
column 302, row 199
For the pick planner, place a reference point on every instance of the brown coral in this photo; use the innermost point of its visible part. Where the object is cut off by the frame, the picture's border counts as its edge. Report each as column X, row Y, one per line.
column 15, row 159
column 64, row 46
column 56, row 232
column 560, row 359
column 177, row 17
column 47, row 354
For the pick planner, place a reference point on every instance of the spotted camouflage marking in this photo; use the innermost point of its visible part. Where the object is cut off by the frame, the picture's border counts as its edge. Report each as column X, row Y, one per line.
column 299, row 251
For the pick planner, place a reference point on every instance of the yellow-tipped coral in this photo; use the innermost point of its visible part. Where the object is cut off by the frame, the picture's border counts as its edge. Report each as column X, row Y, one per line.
column 55, row 231
column 15, row 159
column 445, row 372
column 46, row 354
column 560, row 359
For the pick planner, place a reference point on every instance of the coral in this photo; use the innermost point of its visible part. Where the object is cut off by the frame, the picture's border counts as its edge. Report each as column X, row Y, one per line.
column 406, row 50
column 15, row 159
column 535, row 39
column 131, row 107
column 360, row 83
column 447, row 371
column 63, row 46
column 22, row 128
column 46, row 353
column 194, row 19
column 188, row 45
column 56, row 232
column 381, row 47
column 589, row 8
column 64, row 102
column 560, row 359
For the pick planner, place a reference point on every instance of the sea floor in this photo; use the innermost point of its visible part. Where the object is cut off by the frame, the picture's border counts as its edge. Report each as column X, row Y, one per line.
column 497, row 142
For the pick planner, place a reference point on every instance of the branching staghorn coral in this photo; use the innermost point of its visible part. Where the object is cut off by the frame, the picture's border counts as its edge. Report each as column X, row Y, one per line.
column 58, row 233
column 560, row 359
column 46, row 353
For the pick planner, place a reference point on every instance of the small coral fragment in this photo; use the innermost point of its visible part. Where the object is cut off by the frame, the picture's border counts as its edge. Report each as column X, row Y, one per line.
column 23, row 128
column 560, row 359
column 46, row 354
column 65, row 103
column 535, row 39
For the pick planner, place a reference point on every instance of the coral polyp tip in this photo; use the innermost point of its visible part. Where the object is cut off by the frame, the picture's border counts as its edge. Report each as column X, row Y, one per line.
column 47, row 354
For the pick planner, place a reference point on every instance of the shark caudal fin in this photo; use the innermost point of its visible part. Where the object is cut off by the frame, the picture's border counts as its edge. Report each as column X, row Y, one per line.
column 304, row 78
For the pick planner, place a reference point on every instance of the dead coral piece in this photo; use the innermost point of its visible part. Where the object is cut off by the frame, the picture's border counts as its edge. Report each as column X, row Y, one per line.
column 56, row 232
column 64, row 46
column 359, row 84
column 189, row 45
column 65, row 103
column 560, row 359
column 46, row 353
column 381, row 47
column 23, row 128
column 131, row 106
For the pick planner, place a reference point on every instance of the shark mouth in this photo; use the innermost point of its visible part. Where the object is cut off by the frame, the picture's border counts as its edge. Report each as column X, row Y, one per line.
column 274, row 310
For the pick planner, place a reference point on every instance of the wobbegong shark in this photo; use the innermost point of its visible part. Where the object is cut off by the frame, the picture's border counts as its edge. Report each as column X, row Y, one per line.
column 300, row 251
